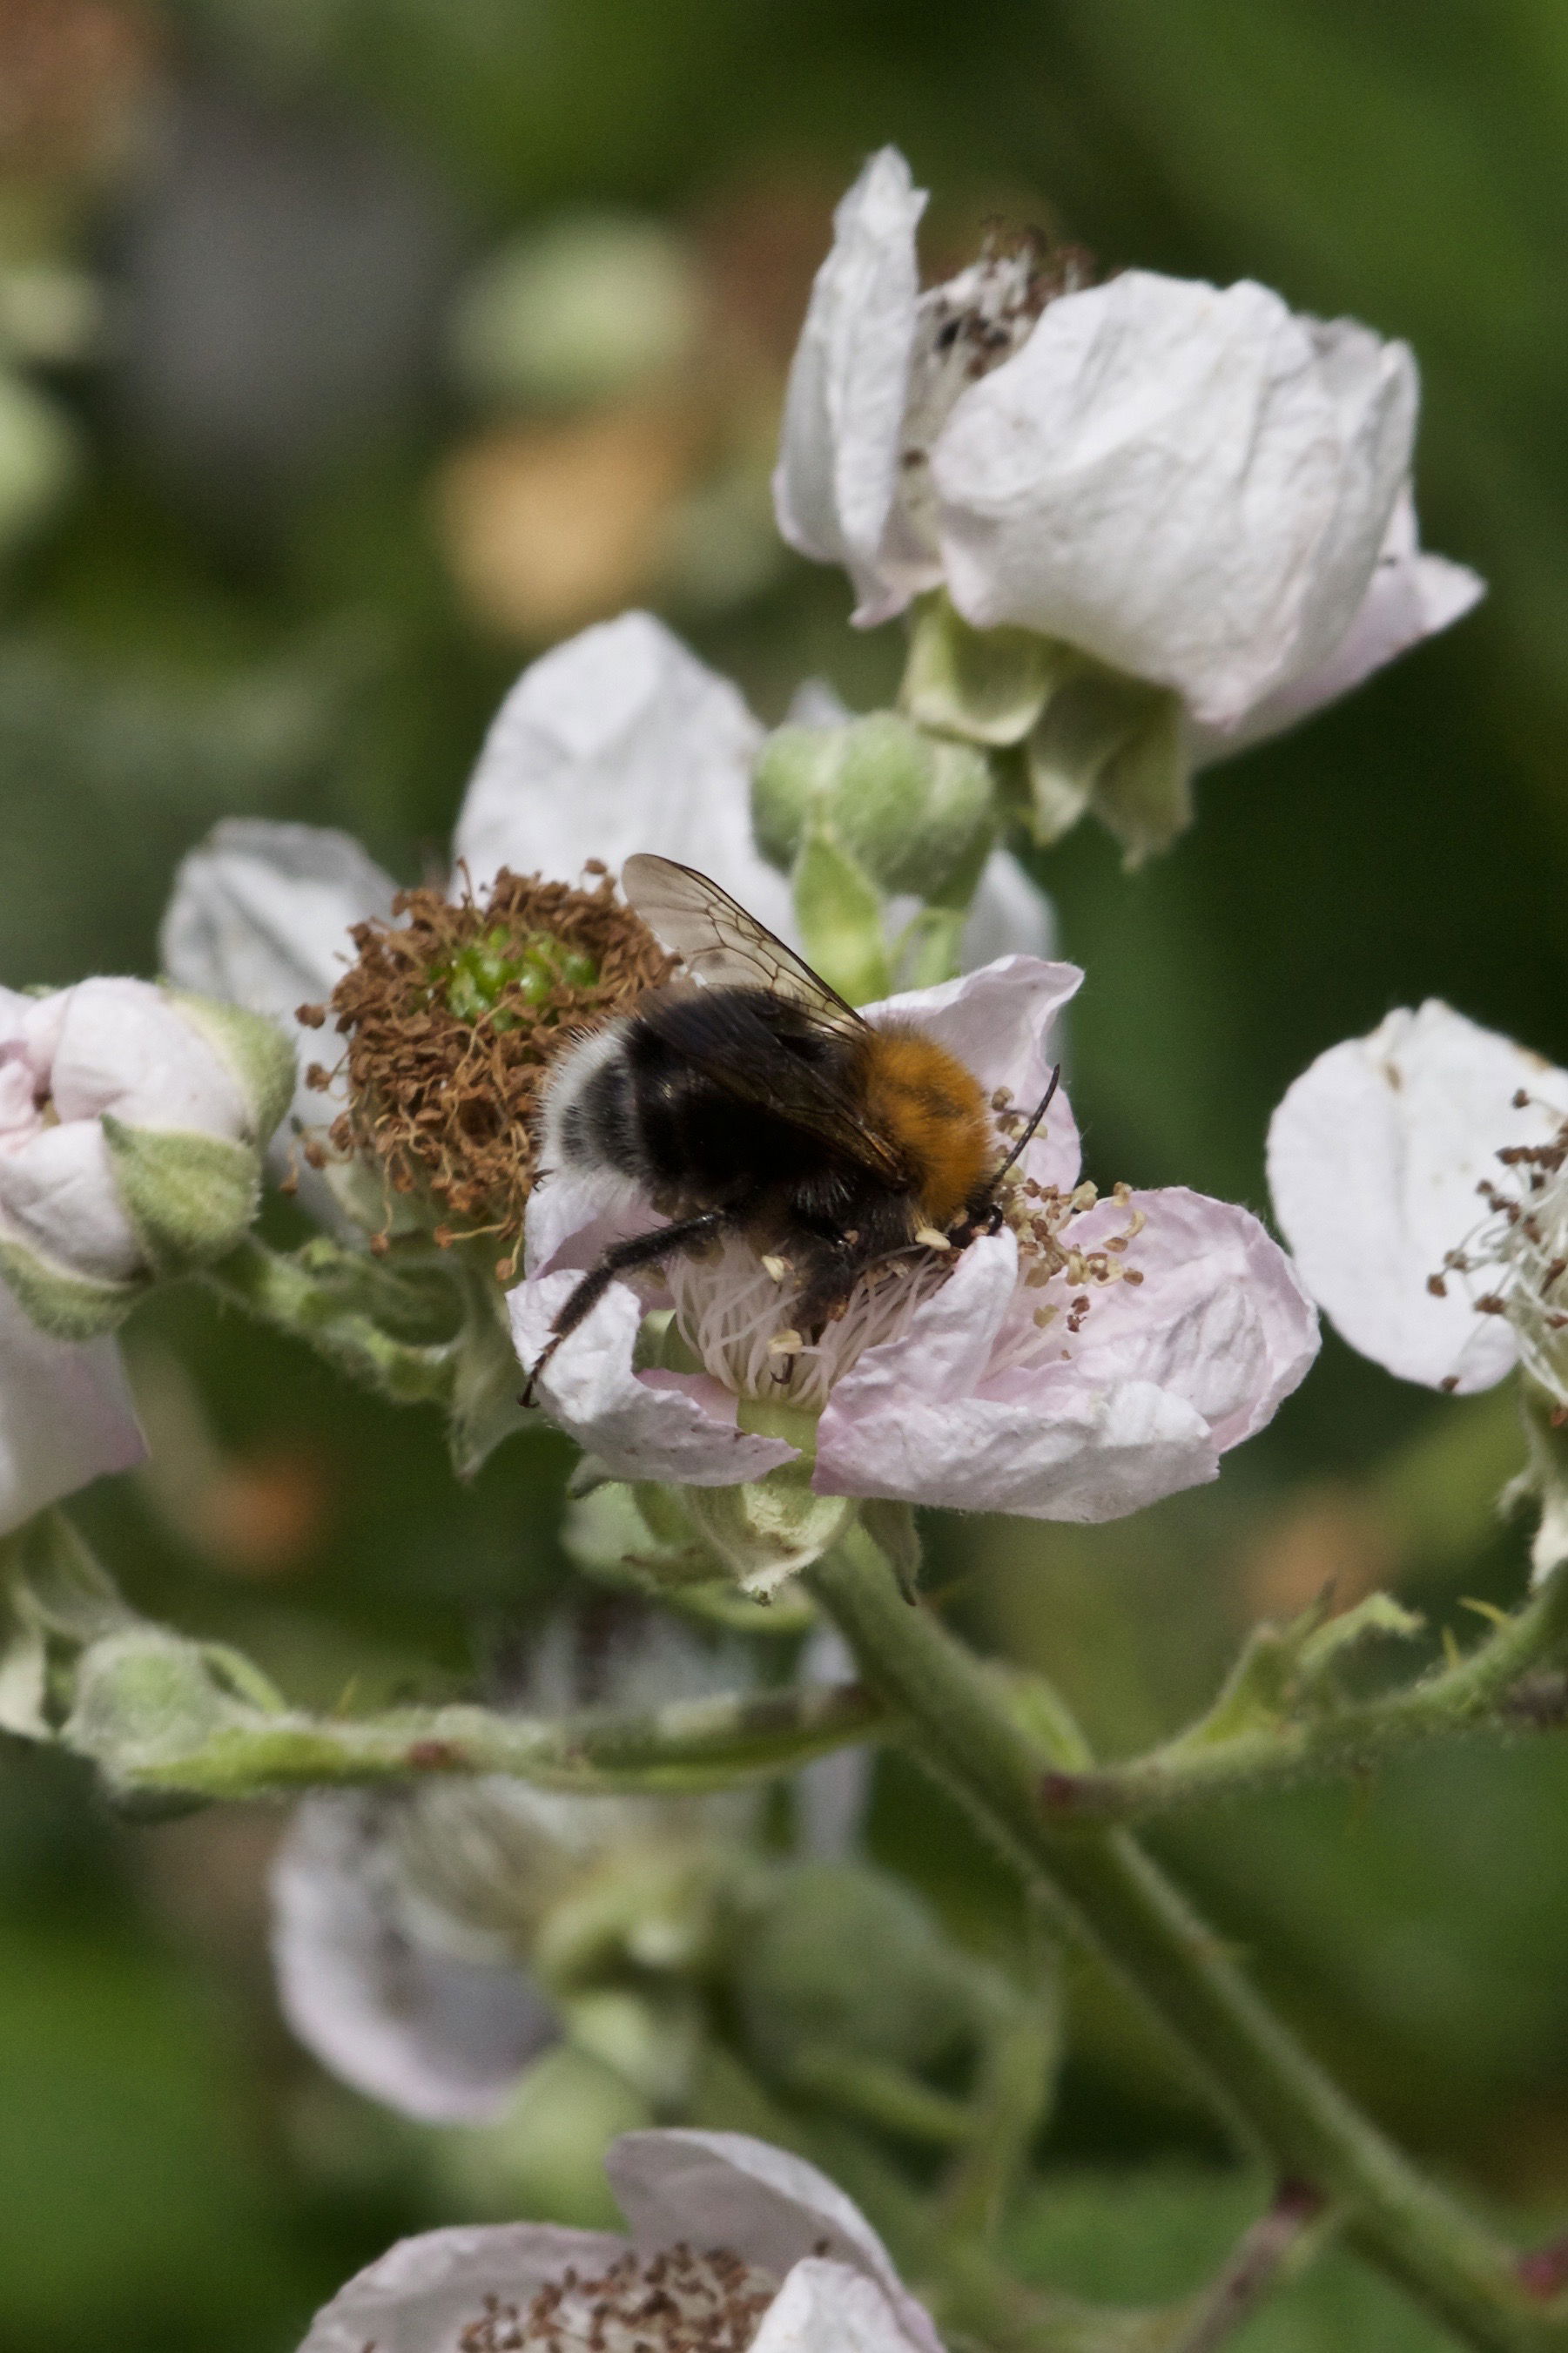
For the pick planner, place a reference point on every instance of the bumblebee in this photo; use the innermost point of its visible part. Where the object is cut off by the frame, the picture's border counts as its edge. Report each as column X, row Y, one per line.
column 753, row 1100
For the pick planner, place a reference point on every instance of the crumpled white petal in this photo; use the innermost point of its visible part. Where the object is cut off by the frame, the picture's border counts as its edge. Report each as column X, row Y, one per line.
column 775, row 2209
column 66, row 1416
column 423, row 2293
column 125, row 1048
column 1374, row 1158
column 434, row 2033
column 825, row 2307
column 838, row 456
column 1411, row 595
column 260, row 915
column 617, row 742
column 650, row 1425
column 1191, row 483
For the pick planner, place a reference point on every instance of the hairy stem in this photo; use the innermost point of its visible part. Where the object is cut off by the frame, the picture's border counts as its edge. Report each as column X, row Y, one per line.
column 1107, row 1891
column 297, row 1294
column 686, row 1747
column 1493, row 1691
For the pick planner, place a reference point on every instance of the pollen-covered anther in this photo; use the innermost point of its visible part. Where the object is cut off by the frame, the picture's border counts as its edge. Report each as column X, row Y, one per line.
column 1521, row 1251
column 929, row 1239
column 453, row 1013
column 673, row 2302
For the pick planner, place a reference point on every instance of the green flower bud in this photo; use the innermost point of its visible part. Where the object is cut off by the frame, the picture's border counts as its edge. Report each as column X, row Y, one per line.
column 768, row 1529
column 911, row 808
column 588, row 309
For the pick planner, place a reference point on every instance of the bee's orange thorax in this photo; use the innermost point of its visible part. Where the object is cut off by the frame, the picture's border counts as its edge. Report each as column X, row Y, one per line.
column 923, row 1099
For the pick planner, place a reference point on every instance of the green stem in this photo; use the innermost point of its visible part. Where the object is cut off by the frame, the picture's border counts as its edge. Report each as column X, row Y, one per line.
column 1487, row 1692
column 293, row 1295
column 687, row 1748
column 1105, row 1889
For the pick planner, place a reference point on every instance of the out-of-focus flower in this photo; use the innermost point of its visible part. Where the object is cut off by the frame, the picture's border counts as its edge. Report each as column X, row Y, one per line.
column 131, row 1124
column 38, row 459
column 1193, row 486
column 66, row 1416
column 428, row 1943
column 590, row 307
column 1417, row 1177
column 735, row 2244
column 1088, row 1359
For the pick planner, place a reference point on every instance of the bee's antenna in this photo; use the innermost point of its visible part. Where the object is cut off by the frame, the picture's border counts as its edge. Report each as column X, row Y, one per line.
column 1040, row 1110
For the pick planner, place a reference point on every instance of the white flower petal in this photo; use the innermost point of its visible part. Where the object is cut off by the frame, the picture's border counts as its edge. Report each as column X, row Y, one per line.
column 438, row 2036
column 998, row 1022
column 678, row 1426
column 570, row 1220
column 424, row 2293
column 1190, row 483
column 1373, row 1159
column 57, row 1195
column 260, row 915
column 125, row 1047
column 825, row 2307
column 66, row 1416
column 838, row 457
column 771, row 2208
column 1410, row 595
column 1220, row 1318
column 617, row 742
column 917, row 1418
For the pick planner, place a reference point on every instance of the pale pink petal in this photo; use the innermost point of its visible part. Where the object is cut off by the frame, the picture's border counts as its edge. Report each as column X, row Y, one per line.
column 620, row 741
column 58, row 1195
column 571, row 1220
column 997, row 1022
column 432, row 2033
column 677, row 1426
column 1220, row 1318
column 1411, row 595
column 124, row 1046
column 66, row 1416
column 837, row 473
column 923, row 1419
column 424, row 2293
column 825, row 2307
column 771, row 2208
column 1189, row 483
column 1374, row 1155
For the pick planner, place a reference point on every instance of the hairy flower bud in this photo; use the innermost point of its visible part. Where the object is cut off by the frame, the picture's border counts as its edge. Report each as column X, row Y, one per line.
column 132, row 1120
column 913, row 809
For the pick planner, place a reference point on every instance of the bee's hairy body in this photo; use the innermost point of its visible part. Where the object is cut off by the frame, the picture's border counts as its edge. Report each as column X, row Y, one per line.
column 637, row 1100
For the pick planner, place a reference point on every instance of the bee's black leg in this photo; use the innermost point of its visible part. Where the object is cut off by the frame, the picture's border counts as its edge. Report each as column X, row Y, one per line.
column 624, row 1258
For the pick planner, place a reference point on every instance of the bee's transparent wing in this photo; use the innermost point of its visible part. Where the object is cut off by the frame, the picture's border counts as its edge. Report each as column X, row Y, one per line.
column 719, row 942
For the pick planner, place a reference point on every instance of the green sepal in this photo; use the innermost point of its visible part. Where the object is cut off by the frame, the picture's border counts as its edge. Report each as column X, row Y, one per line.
column 1118, row 746
column 1285, row 1670
column 839, row 910
column 768, row 1529
column 989, row 686
column 191, row 1197
column 66, row 1306
column 641, row 1540
column 256, row 1051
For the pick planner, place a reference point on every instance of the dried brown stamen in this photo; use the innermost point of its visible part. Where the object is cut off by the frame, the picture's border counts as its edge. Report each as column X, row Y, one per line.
column 674, row 2302
column 453, row 1015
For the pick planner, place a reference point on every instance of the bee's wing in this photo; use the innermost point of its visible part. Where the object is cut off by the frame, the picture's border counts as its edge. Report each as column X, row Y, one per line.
column 718, row 942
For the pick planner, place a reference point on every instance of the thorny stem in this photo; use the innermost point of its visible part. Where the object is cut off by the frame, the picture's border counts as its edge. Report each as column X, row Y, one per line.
column 686, row 1747
column 1276, row 2243
column 1492, row 1691
column 1103, row 1888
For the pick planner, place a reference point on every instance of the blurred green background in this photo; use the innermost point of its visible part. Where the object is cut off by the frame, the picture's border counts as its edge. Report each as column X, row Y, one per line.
column 308, row 441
